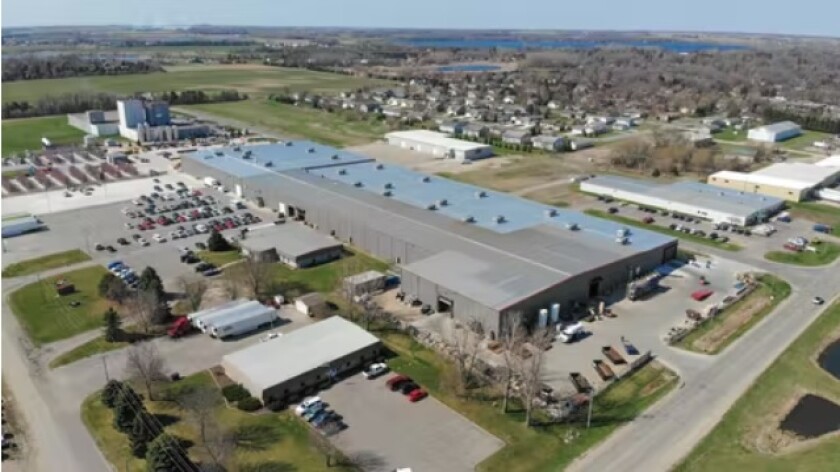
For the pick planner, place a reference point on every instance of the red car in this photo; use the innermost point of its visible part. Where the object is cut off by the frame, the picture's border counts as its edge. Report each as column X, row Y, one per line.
column 230, row 224
column 648, row 219
column 701, row 295
column 394, row 382
column 417, row 394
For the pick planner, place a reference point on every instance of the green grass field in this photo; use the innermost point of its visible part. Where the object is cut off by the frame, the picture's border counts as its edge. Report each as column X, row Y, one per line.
column 26, row 133
column 806, row 139
column 48, row 317
column 334, row 129
column 219, row 258
column 826, row 253
column 531, row 449
column 40, row 264
column 770, row 287
column 268, row 442
column 660, row 229
column 90, row 348
column 817, row 213
column 248, row 78
column 732, row 446
column 731, row 134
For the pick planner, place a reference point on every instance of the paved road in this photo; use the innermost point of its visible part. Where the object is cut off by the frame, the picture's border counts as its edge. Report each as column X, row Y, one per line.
column 668, row 431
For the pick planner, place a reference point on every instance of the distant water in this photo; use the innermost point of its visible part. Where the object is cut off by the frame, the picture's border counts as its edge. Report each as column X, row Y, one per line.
column 465, row 43
column 469, row 68
column 830, row 359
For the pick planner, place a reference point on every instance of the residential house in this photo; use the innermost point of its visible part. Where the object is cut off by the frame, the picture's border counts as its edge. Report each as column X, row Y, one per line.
column 475, row 130
column 516, row 137
column 549, row 143
column 451, row 127
column 369, row 107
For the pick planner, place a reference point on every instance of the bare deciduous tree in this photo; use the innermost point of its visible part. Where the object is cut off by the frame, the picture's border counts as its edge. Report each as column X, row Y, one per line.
column 142, row 308
column 512, row 336
column 232, row 285
column 529, row 369
column 466, row 344
column 145, row 364
column 193, row 290
column 219, row 444
column 255, row 275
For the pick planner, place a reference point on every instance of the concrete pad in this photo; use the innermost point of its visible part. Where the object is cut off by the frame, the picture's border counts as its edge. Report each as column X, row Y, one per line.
column 390, row 432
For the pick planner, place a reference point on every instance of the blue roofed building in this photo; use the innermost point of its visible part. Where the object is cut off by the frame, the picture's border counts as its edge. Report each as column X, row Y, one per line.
column 470, row 251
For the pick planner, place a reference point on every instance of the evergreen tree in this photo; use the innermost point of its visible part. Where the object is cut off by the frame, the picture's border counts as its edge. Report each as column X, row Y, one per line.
column 126, row 408
column 217, row 242
column 164, row 455
column 111, row 392
column 143, row 431
column 112, row 323
column 150, row 281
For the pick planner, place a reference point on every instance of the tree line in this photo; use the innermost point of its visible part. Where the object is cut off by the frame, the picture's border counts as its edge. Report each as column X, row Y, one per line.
column 79, row 102
column 826, row 124
column 31, row 67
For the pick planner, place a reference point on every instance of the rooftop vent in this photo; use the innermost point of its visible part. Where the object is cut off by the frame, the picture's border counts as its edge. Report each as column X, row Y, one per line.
column 442, row 202
column 480, row 194
column 246, row 154
column 499, row 219
column 572, row 226
column 310, row 150
column 288, row 143
column 623, row 240
column 431, row 206
column 426, row 179
column 219, row 153
column 358, row 183
column 342, row 172
column 269, row 164
column 550, row 212
column 389, row 185
column 335, row 157
column 387, row 193
column 623, row 232
column 379, row 167
column 468, row 219
column 237, row 148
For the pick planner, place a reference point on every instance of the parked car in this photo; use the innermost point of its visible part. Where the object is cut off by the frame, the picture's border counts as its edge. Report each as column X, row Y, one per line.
column 305, row 404
column 375, row 370
column 408, row 387
column 158, row 238
column 818, row 301
column 612, row 210
column 396, row 381
column 416, row 395
column 123, row 241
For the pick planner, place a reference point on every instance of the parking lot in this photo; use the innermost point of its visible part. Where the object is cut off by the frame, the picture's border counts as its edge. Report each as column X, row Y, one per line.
column 386, row 431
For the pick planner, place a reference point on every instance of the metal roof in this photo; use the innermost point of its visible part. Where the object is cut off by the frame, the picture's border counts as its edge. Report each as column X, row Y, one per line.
column 800, row 171
column 779, row 127
column 315, row 346
column 695, row 194
column 291, row 239
column 435, row 139
column 248, row 161
column 831, row 161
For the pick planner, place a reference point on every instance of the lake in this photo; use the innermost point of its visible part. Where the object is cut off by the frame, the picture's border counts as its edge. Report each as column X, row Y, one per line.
column 469, row 68
column 830, row 359
column 509, row 43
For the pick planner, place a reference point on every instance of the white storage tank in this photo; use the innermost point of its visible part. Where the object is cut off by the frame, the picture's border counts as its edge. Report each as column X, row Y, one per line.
column 542, row 321
column 555, row 313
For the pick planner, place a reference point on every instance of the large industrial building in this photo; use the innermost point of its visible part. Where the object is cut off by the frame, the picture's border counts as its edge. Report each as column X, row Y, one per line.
column 689, row 198
column 439, row 145
column 793, row 181
column 96, row 122
column 774, row 133
column 149, row 121
column 474, row 253
column 280, row 369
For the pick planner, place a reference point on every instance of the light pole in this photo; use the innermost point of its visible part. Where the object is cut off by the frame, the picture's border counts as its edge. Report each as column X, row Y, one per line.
column 589, row 413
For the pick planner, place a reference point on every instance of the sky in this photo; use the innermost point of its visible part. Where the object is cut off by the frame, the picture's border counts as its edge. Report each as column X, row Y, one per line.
column 803, row 17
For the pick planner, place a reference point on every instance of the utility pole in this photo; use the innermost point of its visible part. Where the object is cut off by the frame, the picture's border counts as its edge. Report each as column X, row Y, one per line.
column 589, row 413
column 105, row 368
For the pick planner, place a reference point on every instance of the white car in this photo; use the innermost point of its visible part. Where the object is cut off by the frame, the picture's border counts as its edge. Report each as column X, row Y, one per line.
column 143, row 242
column 270, row 336
column 305, row 404
column 129, row 226
column 158, row 238
column 375, row 370
column 201, row 228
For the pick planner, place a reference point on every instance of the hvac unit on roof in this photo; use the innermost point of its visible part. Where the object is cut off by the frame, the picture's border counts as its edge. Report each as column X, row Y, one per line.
column 269, row 164
column 219, row 153
column 468, row 219
column 442, row 202
column 388, row 185
column 499, row 219
column 288, row 143
column 358, row 183
column 246, row 155
column 387, row 193
column 622, row 240
column 572, row 226
column 480, row 194
column 342, row 171
column 426, row 178
column 431, row 206
column 310, row 150
column 237, row 148
column 622, row 232
column 335, row 157
column 379, row 167
column 550, row 212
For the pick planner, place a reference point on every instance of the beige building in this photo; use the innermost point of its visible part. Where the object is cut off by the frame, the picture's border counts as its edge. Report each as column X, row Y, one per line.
column 793, row 181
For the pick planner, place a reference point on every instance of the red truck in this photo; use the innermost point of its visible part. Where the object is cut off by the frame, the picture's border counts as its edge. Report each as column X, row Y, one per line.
column 180, row 327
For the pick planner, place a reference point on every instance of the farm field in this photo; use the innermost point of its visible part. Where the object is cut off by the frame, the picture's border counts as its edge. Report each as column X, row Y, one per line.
column 26, row 133
column 317, row 125
column 254, row 79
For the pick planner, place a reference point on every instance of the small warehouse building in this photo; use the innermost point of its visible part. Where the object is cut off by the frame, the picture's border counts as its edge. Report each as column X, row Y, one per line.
column 439, row 145
column 370, row 281
column 282, row 369
column 689, row 198
column 311, row 304
column 774, row 133
column 793, row 181
column 293, row 244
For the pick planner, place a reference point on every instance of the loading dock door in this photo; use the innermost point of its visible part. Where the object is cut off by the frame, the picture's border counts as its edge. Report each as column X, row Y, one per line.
column 238, row 190
column 445, row 305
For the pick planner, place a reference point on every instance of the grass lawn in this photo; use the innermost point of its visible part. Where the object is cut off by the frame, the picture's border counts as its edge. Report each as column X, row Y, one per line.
column 219, row 258
column 48, row 317
column 732, row 444
column 660, row 229
column 324, row 278
column 731, row 134
column 90, row 348
column 818, row 213
column 826, row 254
column 266, row 442
column 771, row 290
column 531, row 449
column 253, row 79
column 40, row 264
column 806, row 139
column 334, row 129
column 26, row 133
